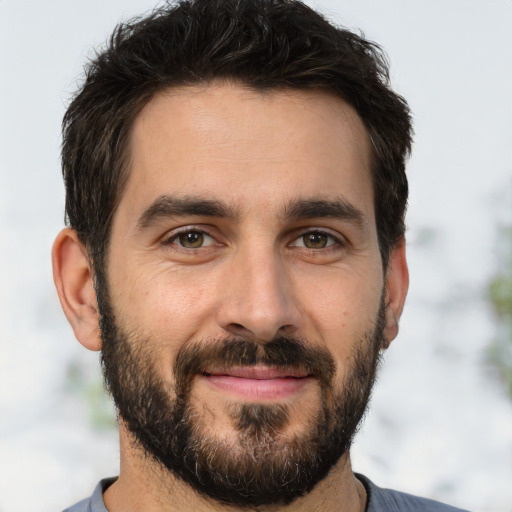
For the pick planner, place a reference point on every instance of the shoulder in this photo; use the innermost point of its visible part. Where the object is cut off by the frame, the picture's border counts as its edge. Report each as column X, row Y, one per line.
column 387, row 500
column 81, row 506
column 95, row 502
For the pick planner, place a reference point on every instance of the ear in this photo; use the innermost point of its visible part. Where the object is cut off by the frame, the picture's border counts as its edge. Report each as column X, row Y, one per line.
column 73, row 279
column 397, row 284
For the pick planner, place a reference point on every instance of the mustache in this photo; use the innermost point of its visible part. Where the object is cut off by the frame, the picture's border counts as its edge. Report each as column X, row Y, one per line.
column 280, row 352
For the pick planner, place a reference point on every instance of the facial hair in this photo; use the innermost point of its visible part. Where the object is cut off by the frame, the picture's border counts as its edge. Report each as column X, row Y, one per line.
column 262, row 465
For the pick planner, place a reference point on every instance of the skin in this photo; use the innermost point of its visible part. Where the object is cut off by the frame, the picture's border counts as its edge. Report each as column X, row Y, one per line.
column 256, row 153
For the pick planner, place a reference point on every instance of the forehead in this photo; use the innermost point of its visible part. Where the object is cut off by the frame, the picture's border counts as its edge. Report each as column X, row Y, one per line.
column 248, row 148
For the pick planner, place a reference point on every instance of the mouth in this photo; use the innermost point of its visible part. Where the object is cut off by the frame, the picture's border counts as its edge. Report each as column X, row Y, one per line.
column 258, row 383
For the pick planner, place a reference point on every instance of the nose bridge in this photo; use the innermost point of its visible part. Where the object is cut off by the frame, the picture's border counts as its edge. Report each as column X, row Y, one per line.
column 258, row 298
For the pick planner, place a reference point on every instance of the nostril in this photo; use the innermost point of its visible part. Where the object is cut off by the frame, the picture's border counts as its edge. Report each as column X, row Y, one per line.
column 286, row 329
column 239, row 330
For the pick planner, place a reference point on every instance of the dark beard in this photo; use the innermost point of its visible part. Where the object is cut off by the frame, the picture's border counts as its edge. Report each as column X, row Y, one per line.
column 259, row 467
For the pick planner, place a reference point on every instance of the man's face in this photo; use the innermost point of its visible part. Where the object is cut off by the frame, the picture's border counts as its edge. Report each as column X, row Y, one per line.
column 245, row 305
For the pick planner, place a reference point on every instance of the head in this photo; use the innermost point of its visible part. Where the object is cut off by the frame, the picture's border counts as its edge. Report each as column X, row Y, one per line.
column 264, row 45
column 236, row 196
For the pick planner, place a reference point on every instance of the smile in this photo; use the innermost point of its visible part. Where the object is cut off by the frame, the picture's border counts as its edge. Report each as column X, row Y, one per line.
column 259, row 382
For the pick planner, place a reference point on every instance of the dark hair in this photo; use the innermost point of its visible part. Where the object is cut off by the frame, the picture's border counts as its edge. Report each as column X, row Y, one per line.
column 264, row 44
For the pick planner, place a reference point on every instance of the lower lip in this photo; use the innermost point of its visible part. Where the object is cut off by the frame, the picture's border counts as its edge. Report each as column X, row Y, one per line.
column 262, row 389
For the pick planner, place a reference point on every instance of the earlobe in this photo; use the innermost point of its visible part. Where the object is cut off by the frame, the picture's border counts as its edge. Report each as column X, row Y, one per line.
column 73, row 279
column 397, row 285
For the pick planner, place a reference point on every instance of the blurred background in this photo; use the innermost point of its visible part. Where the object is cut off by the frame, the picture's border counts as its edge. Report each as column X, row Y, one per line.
column 441, row 417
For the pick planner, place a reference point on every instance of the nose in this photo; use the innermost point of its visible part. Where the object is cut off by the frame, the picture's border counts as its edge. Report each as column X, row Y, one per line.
column 257, row 299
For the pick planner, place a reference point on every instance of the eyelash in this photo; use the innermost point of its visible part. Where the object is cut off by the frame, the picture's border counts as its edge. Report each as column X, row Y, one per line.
column 337, row 241
column 171, row 240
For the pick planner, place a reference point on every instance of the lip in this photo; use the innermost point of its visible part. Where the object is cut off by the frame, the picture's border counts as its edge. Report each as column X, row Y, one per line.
column 258, row 382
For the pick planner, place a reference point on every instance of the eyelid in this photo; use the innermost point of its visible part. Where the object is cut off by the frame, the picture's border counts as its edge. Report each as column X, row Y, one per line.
column 170, row 237
column 340, row 240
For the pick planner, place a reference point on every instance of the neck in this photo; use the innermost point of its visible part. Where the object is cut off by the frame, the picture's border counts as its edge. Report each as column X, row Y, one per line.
column 144, row 485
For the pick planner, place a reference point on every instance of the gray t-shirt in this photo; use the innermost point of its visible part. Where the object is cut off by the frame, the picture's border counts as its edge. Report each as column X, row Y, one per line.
column 379, row 500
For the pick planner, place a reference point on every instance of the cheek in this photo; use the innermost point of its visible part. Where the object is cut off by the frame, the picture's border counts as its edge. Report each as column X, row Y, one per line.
column 343, row 310
column 166, row 303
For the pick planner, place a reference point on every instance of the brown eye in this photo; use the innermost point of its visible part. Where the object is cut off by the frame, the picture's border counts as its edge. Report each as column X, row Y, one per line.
column 316, row 240
column 191, row 239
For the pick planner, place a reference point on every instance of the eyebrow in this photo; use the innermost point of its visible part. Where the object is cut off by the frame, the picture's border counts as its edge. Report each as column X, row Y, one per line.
column 325, row 208
column 168, row 206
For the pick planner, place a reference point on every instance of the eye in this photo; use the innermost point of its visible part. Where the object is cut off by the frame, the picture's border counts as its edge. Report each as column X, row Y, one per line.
column 191, row 239
column 315, row 240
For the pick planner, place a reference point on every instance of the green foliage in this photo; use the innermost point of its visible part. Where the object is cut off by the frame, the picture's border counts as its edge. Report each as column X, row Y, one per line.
column 500, row 294
column 87, row 384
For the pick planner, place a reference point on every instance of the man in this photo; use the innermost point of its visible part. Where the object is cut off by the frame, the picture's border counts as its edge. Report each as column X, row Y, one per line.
column 236, row 196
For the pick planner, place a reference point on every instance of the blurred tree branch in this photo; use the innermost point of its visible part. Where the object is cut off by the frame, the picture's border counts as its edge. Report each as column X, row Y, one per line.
column 500, row 295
